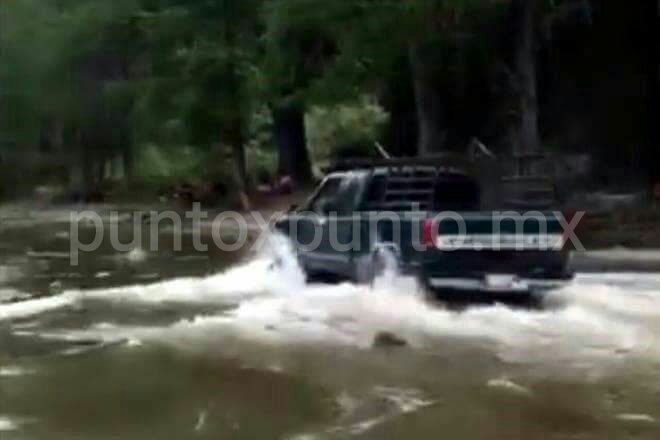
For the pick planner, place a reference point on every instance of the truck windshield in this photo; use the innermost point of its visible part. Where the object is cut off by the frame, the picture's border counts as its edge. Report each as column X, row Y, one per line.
column 338, row 194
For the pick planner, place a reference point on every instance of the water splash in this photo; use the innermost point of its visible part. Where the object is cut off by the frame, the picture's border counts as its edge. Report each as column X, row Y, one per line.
column 11, row 295
column 601, row 320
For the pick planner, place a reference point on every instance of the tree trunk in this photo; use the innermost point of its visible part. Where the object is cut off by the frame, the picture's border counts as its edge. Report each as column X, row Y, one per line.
column 528, row 139
column 240, row 170
column 401, row 136
column 652, row 34
column 240, row 166
column 127, row 162
column 289, row 134
column 234, row 136
column 430, row 109
column 88, row 164
column 127, row 152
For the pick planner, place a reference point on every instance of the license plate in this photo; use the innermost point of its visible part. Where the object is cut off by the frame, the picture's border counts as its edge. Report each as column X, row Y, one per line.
column 500, row 281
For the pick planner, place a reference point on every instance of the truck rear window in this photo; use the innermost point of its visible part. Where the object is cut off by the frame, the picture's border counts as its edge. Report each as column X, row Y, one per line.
column 425, row 191
column 457, row 195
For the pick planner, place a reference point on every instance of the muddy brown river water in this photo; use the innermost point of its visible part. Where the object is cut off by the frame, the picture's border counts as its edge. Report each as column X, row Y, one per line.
column 182, row 345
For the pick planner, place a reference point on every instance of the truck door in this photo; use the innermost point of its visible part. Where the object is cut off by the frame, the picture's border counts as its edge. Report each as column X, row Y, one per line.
column 335, row 205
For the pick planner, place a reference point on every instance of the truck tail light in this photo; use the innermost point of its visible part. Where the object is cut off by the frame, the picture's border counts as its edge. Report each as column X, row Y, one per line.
column 431, row 230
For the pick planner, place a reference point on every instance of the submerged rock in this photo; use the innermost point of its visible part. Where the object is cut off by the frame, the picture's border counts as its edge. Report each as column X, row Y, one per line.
column 55, row 287
column 387, row 339
column 137, row 255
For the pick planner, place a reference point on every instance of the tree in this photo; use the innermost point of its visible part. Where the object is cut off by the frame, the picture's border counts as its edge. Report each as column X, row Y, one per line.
column 201, row 64
column 527, row 136
column 298, row 47
column 290, row 136
column 651, row 155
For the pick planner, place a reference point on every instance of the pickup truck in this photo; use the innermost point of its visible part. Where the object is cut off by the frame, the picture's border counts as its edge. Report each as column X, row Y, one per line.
column 427, row 217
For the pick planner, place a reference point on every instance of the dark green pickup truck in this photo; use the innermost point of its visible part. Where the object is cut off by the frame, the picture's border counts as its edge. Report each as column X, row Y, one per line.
column 428, row 218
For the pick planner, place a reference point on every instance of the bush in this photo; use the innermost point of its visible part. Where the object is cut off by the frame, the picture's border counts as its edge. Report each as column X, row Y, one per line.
column 262, row 164
column 170, row 162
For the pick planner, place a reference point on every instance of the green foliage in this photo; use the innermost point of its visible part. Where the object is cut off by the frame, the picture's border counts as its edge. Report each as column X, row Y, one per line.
column 22, row 26
column 262, row 163
column 163, row 162
column 345, row 129
column 202, row 74
column 195, row 89
column 330, row 51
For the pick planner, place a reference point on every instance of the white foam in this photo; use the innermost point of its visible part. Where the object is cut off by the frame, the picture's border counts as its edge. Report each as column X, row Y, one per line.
column 398, row 403
column 406, row 401
column 63, row 235
column 9, row 295
column 258, row 277
column 623, row 254
column 49, row 255
column 7, row 424
column 636, row 418
column 201, row 421
column 509, row 386
column 34, row 307
column 11, row 372
column 137, row 255
column 601, row 320
column 597, row 323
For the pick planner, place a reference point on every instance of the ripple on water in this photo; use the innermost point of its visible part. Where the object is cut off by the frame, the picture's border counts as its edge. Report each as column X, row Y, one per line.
column 361, row 415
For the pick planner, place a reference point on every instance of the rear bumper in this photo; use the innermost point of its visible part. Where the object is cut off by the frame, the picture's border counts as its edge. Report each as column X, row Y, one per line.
column 518, row 285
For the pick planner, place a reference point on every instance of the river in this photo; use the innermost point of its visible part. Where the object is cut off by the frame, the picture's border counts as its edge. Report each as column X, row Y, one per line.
column 182, row 345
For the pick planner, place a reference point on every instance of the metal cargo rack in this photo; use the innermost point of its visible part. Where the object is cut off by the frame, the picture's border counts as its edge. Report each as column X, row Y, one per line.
column 408, row 183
